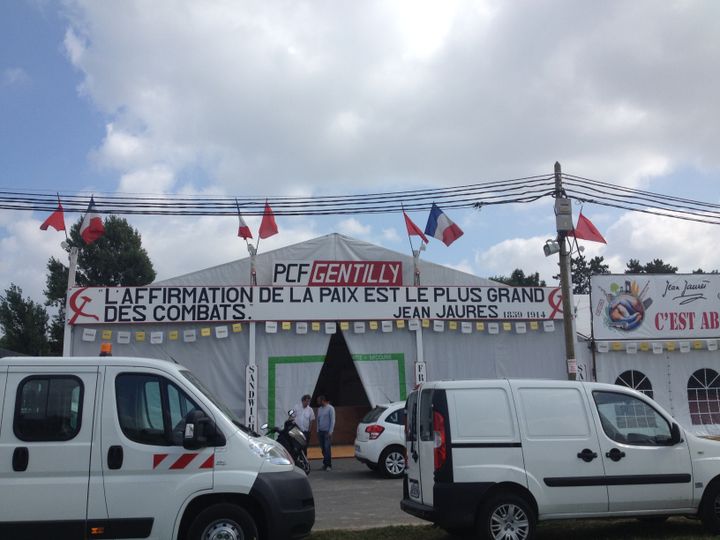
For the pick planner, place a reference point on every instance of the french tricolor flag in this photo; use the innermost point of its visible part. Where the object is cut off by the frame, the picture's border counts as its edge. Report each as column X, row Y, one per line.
column 439, row 226
column 92, row 226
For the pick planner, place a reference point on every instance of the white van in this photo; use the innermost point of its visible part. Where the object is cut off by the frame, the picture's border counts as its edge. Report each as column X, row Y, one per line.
column 499, row 455
column 109, row 447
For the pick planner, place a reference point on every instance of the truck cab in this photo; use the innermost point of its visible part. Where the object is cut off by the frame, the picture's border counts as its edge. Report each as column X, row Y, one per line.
column 113, row 447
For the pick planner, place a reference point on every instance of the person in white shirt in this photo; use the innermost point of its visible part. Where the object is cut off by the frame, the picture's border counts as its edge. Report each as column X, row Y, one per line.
column 305, row 416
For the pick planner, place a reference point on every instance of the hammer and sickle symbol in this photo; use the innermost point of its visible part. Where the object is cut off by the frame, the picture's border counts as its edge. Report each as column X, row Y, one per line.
column 78, row 310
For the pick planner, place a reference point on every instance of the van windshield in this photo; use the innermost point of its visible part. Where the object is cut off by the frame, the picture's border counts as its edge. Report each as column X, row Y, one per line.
column 219, row 404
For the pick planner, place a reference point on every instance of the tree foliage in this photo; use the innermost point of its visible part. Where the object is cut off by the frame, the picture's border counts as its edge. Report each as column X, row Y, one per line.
column 116, row 259
column 24, row 323
column 581, row 270
column 656, row 266
column 519, row 279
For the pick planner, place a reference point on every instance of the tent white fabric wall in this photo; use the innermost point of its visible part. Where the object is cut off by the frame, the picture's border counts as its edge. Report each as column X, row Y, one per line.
column 535, row 354
column 219, row 363
column 382, row 378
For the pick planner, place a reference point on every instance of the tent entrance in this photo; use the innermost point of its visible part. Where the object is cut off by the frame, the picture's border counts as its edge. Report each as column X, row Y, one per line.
column 340, row 382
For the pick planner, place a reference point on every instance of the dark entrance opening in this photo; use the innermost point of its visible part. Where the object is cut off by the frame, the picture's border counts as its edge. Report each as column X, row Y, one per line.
column 340, row 383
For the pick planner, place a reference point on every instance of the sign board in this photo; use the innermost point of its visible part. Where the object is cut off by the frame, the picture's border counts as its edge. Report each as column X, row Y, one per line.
column 179, row 304
column 333, row 273
column 655, row 306
column 251, row 396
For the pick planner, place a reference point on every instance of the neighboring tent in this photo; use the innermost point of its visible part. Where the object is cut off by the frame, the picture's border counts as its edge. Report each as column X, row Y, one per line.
column 659, row 334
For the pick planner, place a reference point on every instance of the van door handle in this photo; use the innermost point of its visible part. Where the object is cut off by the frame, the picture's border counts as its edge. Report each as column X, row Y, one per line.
column 115, row 457
column 20, row 459
column 615, row 454
column 587, row 455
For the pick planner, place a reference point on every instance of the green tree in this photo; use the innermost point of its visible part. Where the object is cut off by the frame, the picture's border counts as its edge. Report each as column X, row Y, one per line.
column 656, row 266
column 701, row 271
column 519, row 279
column 24, row 323
column 581, row 271
column 116, row 259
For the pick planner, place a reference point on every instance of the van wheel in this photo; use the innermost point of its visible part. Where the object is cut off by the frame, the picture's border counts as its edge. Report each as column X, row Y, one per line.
column 506, row 517
column 710, row 511
column 223, row 522
column 392, row 462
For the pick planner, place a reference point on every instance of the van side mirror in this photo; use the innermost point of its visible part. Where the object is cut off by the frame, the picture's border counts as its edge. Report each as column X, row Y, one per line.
column 200, row 431
column 675, row 436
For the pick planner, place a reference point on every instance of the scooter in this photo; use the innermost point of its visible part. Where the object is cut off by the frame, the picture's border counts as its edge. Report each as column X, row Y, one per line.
column 292, row 439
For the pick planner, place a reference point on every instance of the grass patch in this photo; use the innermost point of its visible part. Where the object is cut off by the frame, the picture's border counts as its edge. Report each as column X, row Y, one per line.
column 616, row 529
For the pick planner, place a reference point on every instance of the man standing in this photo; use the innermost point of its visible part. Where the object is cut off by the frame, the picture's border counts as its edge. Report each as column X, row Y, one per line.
column 325, row 426
column 304, row 417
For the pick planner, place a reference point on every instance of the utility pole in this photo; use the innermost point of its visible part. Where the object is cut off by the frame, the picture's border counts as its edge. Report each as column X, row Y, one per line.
column 67, row 336
column 563, row 220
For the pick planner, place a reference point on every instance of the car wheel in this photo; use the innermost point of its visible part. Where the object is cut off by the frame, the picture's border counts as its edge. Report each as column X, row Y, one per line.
column 506, row 516
column 710, row 510
column 392, row 462
column 223, row 522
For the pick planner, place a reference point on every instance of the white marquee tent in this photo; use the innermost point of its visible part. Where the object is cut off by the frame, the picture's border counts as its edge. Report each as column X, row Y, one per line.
column 276, row 359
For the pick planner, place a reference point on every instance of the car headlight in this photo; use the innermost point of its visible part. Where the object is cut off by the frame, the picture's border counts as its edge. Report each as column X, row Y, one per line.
column 275, row 454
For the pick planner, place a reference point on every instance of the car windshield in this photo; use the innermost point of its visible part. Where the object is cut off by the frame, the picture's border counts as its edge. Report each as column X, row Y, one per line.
column 373, row 415
column 215, row 401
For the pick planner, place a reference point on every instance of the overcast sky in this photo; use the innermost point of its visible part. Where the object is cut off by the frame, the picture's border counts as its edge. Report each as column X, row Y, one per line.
column 276, row 98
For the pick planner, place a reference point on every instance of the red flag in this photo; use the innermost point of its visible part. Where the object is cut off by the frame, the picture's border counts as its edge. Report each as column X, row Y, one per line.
column 243, row 229
column 413, row 229
column 92, row 226
column 56, row 220
column 268, row 227
column 585, row 230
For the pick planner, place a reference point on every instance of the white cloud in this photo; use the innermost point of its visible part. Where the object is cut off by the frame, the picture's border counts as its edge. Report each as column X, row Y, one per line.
column 353, row 227
column 14, row 76
column 157, row 179
column 523, row 253
column 391, row 235
column 26, row 250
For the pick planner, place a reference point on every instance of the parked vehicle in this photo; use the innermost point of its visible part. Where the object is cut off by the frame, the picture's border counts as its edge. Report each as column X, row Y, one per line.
column 293, row 440
column 380, row 439
column 112, row 447
column 499, row 455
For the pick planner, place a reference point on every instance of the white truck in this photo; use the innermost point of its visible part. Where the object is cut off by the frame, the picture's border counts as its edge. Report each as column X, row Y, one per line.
column 111, row 447
column 496, row 456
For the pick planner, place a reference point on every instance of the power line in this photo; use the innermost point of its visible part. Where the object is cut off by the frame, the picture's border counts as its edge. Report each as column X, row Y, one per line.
column 521, row 190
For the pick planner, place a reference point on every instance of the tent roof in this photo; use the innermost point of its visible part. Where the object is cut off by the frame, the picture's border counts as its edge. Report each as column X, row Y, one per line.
column 329, row 247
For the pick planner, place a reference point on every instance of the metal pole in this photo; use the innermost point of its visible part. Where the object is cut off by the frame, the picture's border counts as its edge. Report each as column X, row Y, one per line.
column 67, row 334
column 565, row 285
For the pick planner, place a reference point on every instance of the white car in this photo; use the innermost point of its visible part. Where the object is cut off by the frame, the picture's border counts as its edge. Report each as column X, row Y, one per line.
column 380, row 439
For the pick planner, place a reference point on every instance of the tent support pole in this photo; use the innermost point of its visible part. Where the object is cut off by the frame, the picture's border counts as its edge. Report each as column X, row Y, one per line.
column 420, row 374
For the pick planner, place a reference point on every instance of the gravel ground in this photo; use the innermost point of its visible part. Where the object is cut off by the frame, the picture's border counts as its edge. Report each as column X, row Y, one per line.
column 351, row 496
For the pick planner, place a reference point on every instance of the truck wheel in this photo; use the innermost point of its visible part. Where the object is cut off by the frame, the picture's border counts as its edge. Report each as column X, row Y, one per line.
column 223, row 522
column 710, row 511
column 506, row 516
column 392, row 462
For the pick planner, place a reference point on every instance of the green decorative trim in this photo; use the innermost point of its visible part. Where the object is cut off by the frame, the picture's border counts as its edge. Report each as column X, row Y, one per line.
column 273, row 361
